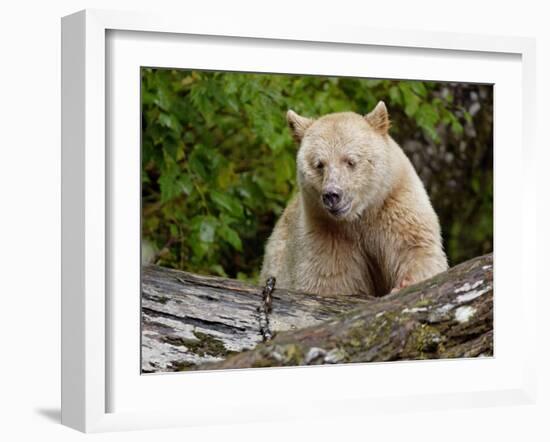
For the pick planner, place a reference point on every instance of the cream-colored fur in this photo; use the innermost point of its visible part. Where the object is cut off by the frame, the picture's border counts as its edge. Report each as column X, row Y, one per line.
column 381, row 235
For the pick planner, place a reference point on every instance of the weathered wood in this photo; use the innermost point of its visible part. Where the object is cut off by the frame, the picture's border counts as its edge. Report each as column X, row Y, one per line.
column 198, row 322
column 448, row 316
column 190, row 319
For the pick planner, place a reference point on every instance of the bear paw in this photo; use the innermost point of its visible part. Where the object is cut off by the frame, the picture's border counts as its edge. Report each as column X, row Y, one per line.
column 406, row 281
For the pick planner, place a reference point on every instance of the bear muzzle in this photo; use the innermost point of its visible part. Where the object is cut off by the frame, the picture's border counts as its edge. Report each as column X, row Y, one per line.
column 334, row 202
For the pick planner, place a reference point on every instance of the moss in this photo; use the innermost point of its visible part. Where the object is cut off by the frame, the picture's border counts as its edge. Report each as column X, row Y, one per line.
column 263, row 362
column 182, row 365
column 352, row 342
column 174, row 340
column 364, row 334
column 280, row 355
column 293, row 355
column 425, row 341
column 204, row 344
column 211, row 345
column 422, row 303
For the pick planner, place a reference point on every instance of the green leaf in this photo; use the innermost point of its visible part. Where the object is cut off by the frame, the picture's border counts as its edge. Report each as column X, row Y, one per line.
column 242, row 276
column 196, row 165
column 171, row 122
column 427, row 118
column 373, row 83
column 185, row 184
column 171, row 148
column 218, row 270
column 409, row 98
column 227, row 203
column 198, row 247
column 418, row 88
column 456, row 127
column 395, row 95
column 169, row 188
column 231, row 236
column 174, row 230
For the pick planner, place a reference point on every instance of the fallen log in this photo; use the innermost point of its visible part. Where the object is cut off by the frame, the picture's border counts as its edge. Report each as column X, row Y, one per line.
column 447, row 316
column 189, row 319
column 192, row 322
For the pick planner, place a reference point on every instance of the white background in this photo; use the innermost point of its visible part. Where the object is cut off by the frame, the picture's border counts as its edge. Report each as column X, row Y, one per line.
column 30, row 217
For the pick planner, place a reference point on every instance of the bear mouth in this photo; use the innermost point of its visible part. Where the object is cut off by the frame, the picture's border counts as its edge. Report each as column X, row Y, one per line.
column 339, row 211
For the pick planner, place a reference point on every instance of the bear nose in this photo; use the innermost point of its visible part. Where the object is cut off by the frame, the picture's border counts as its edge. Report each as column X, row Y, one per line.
column 332, row 197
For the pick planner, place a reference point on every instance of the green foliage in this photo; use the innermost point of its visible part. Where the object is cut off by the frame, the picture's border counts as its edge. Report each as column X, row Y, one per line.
column 218, row 162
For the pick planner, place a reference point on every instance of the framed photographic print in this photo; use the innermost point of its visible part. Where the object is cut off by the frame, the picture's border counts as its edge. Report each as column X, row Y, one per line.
column 320, row 216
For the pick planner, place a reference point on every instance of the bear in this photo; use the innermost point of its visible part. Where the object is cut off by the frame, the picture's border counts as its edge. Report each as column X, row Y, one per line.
column 361, row 222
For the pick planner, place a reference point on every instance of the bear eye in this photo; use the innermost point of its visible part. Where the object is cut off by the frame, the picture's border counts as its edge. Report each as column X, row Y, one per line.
column 319, row 165
column 350, row 163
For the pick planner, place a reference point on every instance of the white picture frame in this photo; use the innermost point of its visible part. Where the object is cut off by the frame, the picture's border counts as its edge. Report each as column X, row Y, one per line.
column 92, row 321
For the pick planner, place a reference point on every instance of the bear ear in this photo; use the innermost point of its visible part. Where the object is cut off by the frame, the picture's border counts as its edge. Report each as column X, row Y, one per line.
column 297, row 124
column 379, row 119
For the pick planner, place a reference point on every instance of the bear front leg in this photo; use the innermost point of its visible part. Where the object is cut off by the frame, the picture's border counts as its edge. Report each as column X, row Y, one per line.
column 418, row 266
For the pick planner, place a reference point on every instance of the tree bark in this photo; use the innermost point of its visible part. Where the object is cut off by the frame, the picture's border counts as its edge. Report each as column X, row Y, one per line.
column 190, row 319
column 192, row 322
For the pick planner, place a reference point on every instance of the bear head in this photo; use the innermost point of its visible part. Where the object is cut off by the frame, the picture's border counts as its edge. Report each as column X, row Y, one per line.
column 343, row 160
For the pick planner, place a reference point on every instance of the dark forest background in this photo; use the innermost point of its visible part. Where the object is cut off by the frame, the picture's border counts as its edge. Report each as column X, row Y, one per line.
column 218, row 162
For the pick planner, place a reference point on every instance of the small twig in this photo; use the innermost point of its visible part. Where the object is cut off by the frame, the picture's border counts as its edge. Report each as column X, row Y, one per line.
column 265, row 308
